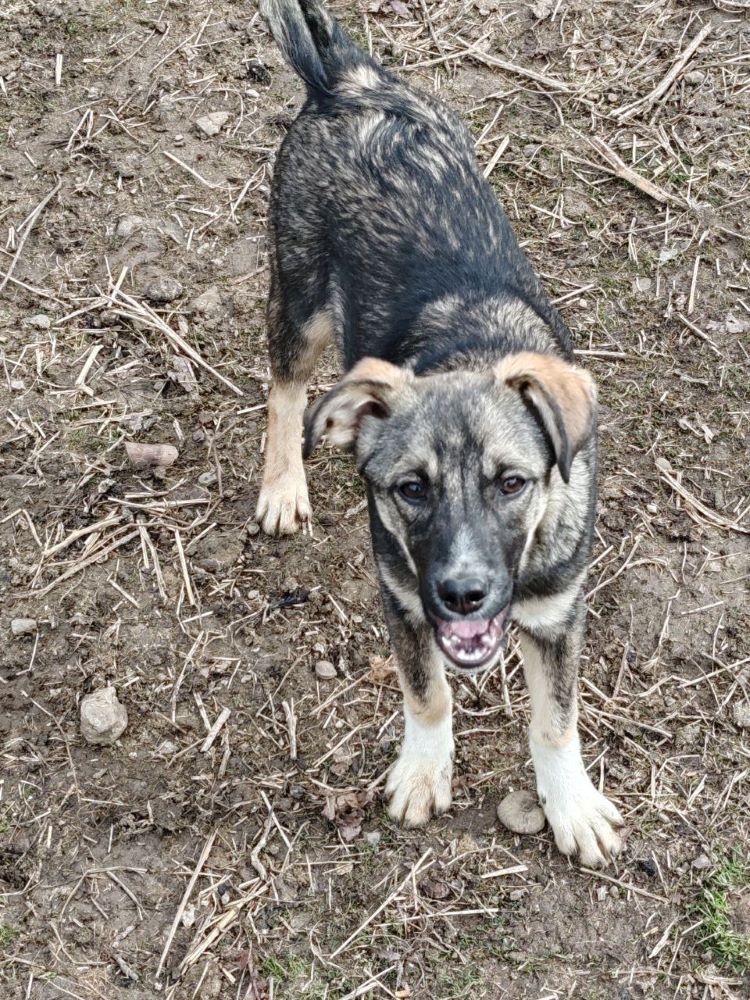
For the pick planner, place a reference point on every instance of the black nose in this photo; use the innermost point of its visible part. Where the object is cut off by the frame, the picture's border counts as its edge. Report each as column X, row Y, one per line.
column 462, row 597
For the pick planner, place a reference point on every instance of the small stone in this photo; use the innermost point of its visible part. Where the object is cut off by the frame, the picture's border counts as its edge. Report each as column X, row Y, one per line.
column 700, row 863
column 23, row 626
column 212, row 123
column 128, row 225
column 325, row 670
column 40, row 321
column 209, row 303
column 520, row 812
column 253, row 529
column 129, row 166
column 207, row 478
column 17, row 385
column 648, row 866
column 373, row 837
column 163, row 288
column 434, row 889
column 695, row 76
column 103, row 717
column 297, row 792
column 643, row 285
column 741, row 714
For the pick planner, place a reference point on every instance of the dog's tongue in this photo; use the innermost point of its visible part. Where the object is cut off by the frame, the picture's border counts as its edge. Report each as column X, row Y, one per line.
column 465, row 629
column 470, row 643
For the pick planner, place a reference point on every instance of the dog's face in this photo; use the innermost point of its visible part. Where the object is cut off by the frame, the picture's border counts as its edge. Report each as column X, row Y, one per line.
column 462, row 467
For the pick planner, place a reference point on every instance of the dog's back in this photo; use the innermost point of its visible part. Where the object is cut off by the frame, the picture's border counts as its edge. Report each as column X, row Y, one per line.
column 383, row 218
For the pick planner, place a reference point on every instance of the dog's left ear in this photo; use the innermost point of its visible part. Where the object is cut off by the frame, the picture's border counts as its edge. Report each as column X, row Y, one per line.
column 562, row 396
column 369, row 389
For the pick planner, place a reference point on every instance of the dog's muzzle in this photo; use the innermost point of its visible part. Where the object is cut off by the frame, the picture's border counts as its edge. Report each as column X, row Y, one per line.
column 470, row 644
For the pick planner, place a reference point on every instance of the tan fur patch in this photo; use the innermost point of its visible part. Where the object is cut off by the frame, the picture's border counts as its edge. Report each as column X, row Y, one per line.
column 317, row 334
column 437, row 702
column 572, row 388
column 377, row 370
column 283, row 502
column 547, row 726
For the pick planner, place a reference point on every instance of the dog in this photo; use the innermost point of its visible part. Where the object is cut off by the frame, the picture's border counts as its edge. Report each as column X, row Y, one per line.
column 473, row 429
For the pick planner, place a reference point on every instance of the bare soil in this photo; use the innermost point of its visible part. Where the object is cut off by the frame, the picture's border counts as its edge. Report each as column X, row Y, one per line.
column 160, row 584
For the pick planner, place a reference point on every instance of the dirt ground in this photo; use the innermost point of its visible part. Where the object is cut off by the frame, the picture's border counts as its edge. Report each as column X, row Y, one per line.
column 257, row 861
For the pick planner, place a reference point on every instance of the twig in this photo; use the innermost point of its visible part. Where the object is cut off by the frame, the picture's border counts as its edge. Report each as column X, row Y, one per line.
column 386, row 902
column 626, row 173
column 710, row 515
column 94, row 557
column 138, row 310
column 193, row 173
column 661, row 88
column 183, row 903
column 215, row 730
column 28, row 226
column 699, row 333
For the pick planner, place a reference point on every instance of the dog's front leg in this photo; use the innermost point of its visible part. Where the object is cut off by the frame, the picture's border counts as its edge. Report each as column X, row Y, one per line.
column 419, row 783
column 582, row 819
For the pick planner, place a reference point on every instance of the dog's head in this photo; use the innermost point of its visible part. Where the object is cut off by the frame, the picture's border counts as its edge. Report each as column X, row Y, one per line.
column 462, row 468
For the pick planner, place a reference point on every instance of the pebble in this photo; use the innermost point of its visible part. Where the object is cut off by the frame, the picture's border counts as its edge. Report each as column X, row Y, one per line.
column 163, row 289
column 41, row 321
column 103, row 717
column 695, row 77
column 129, row 166
column 741, row 713
column 209, row 303
column 520, row 812
column 700, row 863
column 325, row 670
column 207, row 478
column 23, row 626
column 212, row 123
column 128, row 225
column 373, row 837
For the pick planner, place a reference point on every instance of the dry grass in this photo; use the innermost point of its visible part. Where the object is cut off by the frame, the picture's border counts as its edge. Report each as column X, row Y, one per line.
column 233, row 845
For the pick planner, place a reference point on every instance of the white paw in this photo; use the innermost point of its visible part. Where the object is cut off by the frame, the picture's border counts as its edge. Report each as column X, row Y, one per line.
column 283, row 504
column 583, row 820
column 419, row 788
column 419, row 783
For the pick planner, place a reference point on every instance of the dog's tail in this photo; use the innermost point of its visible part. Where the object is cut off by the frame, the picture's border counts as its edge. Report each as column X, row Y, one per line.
column 313, row 42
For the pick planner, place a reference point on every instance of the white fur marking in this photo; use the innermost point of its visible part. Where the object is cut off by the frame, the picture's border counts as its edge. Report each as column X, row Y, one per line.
column 283, row 501
column 546, row 612
column 582, row 819
column 419, row 782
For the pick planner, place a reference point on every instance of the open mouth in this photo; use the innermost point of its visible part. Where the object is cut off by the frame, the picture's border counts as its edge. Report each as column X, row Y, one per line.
column 471, row 643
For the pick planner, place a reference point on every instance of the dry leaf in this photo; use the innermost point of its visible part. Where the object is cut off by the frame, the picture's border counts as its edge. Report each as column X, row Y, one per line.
column 347, row 811
column 382, row 669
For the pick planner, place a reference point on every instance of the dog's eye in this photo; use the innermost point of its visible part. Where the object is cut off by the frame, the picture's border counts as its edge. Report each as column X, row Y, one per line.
column 510, row 485
column 413, row 490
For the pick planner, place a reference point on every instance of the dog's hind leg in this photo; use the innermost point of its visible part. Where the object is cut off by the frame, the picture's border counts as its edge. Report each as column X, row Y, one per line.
column 294, row 348
column 583, row 820
column 419, row 783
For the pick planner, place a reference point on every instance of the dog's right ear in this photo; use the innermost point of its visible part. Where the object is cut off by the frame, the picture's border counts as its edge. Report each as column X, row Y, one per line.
column 369, row 389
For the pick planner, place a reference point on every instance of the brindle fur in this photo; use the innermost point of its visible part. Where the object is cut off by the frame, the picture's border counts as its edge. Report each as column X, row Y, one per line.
column 389, row 242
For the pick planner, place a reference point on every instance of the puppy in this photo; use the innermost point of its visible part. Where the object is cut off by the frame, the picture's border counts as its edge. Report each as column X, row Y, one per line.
column 473, row 429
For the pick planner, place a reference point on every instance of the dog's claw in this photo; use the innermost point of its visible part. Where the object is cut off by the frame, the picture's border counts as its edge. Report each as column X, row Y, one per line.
column 419, row 788
column 586, row 826
column 283, row 506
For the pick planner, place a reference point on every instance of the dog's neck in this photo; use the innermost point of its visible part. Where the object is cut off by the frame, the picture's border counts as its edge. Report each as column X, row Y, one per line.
column 455, row 334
